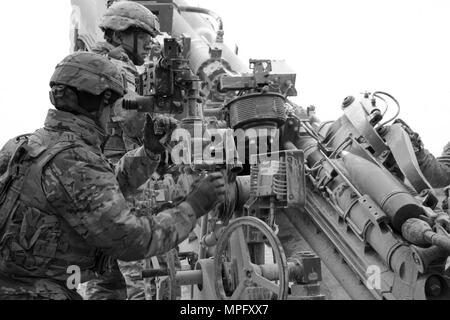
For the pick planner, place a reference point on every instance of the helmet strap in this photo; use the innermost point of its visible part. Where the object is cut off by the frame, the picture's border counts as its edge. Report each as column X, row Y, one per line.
column 135, row 56
column 132, row 50
column 135, row 43
column 106, row 102
column 115, row 38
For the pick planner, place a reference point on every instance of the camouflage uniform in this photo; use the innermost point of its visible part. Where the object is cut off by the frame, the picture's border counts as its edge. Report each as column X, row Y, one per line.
column 72, row 211
column 126, row 131
column 436, row 170
column 118, row 283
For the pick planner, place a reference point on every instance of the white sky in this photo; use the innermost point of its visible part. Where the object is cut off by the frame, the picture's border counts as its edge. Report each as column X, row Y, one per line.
column 337, row 48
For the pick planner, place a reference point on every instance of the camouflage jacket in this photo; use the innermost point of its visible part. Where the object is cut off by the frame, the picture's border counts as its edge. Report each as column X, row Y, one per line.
column 75, row 213
column 436, row 170
column 126, row 125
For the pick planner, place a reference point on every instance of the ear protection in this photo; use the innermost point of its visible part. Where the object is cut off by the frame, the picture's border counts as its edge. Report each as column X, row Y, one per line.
column 57, row 91
column 107, row 95
column 62, row 97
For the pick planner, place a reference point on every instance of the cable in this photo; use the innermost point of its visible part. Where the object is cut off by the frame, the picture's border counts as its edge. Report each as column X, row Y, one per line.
column 385, row 103
column 347, row 142
column 393, row 99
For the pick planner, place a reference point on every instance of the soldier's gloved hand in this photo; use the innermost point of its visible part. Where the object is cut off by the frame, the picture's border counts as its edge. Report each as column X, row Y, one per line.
column 156, row 131
column 413, row 136
column 207, row 193
column 416, row 142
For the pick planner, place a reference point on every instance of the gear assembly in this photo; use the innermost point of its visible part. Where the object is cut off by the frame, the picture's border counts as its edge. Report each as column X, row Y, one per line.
column 352, row 188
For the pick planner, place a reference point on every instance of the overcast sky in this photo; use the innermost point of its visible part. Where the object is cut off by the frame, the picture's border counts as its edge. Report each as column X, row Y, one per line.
column 337, row 48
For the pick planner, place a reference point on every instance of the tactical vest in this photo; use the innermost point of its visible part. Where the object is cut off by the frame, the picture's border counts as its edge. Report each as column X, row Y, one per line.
column 31, row 231
column 115, row 146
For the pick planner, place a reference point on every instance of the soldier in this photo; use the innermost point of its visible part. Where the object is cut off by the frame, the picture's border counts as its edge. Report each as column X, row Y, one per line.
column 62, row 204
column 129, row 29
column 436, row 170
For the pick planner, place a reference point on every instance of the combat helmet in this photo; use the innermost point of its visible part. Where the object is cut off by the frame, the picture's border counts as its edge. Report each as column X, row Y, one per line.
column 123, row 15
column 88, row 72
column 84, row 82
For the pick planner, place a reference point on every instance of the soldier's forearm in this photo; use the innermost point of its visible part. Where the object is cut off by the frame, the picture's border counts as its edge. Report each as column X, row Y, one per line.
column 97, row 209
column 162, row 233
column 182, row 220
column 134, row 169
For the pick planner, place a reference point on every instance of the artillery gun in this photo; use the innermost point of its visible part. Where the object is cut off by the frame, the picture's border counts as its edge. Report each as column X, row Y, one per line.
column 369, row 205
column 237, row 267
column 352, row 187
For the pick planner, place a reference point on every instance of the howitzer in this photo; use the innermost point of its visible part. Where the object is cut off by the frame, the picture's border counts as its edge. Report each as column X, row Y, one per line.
column 361, row 197
column 240, row 269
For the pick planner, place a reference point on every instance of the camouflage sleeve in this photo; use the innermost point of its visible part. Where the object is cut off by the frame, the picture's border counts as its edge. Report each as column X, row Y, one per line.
column 134, row 169
column 436, row 170
column 83, row 189
column 5, row 155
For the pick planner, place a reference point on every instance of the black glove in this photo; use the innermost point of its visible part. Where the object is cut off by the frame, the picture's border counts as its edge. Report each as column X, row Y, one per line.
column 155, row 130
column 413, row 136
column 416, row 142
column 206, row 194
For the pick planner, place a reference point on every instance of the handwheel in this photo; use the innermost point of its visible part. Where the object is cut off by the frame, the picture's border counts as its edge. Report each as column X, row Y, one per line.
column 245, row 270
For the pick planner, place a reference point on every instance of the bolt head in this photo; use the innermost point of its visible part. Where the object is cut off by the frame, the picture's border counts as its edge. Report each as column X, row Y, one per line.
column 435, row 290
column 313, row 276
column 416, row 258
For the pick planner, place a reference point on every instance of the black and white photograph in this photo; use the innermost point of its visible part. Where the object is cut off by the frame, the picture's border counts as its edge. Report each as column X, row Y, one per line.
column 225, row 154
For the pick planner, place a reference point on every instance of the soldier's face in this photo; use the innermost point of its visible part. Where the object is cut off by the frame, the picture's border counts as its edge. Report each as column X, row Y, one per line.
column 142, row 47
